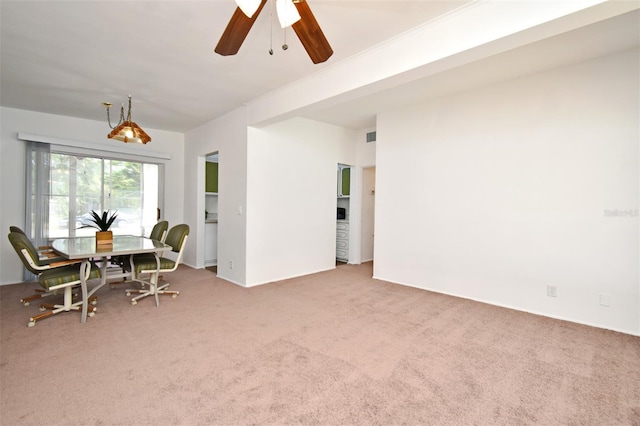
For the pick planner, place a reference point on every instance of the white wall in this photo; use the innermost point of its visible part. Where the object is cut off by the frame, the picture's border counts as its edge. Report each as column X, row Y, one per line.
column 365, row 158
column 495, row 193
column 291, row 198
column 276, row 199
column 228, row 136
column 13, row 162
column 367, row 222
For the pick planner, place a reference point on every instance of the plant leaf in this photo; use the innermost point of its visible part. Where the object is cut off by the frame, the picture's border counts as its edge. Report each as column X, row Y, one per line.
column 101, row 222
column 112, row 219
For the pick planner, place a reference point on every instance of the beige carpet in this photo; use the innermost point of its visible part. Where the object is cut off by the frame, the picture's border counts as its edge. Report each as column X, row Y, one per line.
column 333, row 348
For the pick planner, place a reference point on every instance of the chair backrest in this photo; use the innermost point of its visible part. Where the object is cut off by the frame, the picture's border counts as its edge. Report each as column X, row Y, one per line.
column 176, row 237
column 159, row 231
column 20, row 242
column 16, row 229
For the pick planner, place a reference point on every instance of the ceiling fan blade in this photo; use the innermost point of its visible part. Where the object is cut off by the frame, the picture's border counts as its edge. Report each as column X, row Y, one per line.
column 311, row 36
column 236, row 31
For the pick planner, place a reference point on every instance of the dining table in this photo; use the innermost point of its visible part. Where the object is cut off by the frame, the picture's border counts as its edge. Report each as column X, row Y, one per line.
column 87, row 250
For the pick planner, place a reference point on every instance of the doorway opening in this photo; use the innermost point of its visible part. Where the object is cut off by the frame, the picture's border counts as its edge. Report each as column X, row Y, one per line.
column 212, row 161
column 343, row 214
column 368, row 213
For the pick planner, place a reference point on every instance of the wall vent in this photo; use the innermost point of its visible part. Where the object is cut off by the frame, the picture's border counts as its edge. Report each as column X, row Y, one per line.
column 371, row 137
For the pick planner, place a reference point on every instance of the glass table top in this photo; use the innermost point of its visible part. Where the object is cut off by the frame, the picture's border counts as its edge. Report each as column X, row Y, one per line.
column 84, row 247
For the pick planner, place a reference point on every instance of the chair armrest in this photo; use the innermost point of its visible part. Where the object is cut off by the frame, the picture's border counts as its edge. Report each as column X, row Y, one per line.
column 37, row 267
column 64, row 263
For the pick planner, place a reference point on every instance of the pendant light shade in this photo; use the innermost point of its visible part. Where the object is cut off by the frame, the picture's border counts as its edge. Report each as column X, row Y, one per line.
column 129, row 132
column 287, row 13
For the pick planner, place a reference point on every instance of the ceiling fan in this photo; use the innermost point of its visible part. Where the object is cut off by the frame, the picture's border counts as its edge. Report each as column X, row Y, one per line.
column 306, row 28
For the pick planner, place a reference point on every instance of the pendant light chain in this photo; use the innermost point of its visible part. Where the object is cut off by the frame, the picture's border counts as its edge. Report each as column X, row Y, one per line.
column 108, row 105
column 129, row 114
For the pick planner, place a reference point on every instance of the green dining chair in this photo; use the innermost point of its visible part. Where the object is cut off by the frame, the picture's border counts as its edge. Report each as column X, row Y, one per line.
column 46, row 255
column 53, row 276
column 158, row 232
column 142, row 264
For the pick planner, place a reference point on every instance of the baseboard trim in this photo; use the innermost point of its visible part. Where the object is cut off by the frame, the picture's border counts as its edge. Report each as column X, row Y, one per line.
column 560, row 318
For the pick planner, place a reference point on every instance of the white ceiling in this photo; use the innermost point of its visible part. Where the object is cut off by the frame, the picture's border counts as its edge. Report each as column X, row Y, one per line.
column 602, row 38
column 67, row 57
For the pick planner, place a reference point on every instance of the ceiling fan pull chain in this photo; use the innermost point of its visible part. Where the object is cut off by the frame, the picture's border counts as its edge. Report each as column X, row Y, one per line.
column 271, row 29
column 285, row 46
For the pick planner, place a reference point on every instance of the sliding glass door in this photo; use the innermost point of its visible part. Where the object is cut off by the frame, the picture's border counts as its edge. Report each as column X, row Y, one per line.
column 80, row 184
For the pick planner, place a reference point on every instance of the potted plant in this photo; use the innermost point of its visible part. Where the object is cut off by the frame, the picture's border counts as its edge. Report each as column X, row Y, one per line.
column 102, row 223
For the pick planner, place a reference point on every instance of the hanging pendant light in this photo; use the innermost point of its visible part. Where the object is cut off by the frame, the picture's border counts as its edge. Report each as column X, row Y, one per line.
column 126, row 130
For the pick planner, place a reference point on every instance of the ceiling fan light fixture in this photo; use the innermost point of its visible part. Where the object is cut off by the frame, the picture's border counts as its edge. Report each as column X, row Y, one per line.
column 126, row 130
column 303, row 23
column 287, row 13
column 248, row 7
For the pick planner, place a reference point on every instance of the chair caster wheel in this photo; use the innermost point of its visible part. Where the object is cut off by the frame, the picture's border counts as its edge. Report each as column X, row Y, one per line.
column 91, row 314
column 42, row 308
column 134, row 302
column 173, row 296
column 31, row 324
column 25, row 303
column 128, row 293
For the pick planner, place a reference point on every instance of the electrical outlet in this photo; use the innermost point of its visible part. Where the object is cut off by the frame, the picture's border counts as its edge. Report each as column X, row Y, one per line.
column 552, row 291
column 231, row 264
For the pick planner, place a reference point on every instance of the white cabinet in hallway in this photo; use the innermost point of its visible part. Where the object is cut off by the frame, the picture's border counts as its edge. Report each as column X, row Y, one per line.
column 211, row 244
